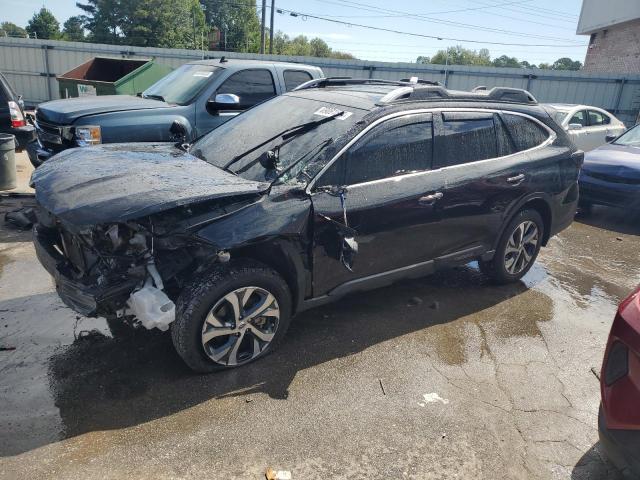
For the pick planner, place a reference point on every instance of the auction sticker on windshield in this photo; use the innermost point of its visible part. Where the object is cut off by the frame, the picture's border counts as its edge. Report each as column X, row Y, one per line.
column 331, row 111
column 203, row 74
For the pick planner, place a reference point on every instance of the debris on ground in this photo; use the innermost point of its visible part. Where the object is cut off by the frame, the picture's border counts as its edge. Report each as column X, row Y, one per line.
column 272, row 474
column 432, row 398
column 22, row 218
column 382, row 386
column 619, row 239
column 595, row 371
column 6, row 348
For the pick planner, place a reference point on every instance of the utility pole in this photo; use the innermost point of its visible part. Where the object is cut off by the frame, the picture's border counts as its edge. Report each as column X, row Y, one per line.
column 273, row 11
column 262, row 30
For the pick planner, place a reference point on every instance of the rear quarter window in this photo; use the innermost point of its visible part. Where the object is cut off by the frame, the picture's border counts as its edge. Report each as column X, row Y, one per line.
column 466, row 138
column 522, row 132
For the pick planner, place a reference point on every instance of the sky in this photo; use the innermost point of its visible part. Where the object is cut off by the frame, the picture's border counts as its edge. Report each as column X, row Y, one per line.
column 544, row 29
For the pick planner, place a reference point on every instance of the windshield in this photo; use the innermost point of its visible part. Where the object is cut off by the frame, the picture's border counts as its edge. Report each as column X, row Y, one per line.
column 241, row 143
column 629, row 138
column 183, row 84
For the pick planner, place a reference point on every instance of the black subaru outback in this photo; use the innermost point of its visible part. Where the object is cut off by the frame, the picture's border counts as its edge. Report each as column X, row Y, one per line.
column 339, row 186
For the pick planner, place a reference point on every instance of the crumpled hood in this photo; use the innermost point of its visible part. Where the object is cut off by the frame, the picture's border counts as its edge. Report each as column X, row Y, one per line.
column 65, row 112
column 119, row 182
column 617, row 160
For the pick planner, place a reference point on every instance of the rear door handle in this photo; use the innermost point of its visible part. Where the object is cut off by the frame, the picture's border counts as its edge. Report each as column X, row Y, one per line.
column 516, row 180
column 430, row 199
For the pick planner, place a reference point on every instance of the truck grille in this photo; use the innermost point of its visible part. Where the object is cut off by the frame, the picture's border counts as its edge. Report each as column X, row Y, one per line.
column 52, row 136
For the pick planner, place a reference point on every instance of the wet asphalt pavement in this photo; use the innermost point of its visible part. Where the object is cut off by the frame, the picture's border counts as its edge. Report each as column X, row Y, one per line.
column 443, row 377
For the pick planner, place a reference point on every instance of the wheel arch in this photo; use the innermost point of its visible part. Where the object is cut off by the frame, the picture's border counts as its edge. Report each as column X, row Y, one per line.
column 534, row 202
column 284, row 256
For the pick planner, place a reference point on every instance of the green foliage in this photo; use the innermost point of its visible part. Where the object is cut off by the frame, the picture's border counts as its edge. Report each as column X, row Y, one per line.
column 8, row 29
column 72, row 30
column 147, row 23
column 301, row 45
column 566, row 63
column 462, row 56
column 237, row 22
column 506, row 61
column 44, row 25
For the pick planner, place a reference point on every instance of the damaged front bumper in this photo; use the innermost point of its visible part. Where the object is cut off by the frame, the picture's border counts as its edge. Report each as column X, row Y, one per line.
column 88, row 300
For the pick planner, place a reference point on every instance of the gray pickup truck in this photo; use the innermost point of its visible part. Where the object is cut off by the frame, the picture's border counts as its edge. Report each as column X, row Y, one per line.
column 201, row 95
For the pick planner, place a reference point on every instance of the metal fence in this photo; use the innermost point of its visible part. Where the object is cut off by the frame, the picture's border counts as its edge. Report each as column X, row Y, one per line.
column 32, row 65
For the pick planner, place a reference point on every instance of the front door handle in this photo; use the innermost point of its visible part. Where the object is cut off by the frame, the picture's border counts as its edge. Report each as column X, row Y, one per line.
column 430, row 199
column 517, row 180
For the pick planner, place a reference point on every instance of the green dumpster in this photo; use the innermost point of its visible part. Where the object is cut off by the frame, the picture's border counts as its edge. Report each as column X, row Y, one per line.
column 110, row 76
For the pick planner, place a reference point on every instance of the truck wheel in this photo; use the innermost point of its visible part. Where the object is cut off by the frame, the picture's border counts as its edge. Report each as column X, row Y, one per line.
column 230, row 316
column 517, row 249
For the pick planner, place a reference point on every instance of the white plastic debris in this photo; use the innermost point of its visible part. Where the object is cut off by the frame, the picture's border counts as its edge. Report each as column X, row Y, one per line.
column 152, row 308
column 432, row 398
column 272, row 474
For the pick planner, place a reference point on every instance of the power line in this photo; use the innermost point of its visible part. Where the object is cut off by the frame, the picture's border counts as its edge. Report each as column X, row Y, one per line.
column 412, row 34
column 421, row 17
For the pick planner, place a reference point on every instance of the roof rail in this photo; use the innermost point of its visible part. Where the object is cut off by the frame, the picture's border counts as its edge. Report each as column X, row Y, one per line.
column 497, row 94
column 341, row 81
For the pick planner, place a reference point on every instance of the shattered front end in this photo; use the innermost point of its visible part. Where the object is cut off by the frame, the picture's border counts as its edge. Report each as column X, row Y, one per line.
column 112, row 271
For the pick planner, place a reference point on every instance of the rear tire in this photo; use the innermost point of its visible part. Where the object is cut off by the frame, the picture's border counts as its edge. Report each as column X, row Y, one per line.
column 517, row 249
column 230, row 316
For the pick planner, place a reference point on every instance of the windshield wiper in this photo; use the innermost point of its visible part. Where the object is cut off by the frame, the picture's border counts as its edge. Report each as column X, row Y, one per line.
column 153, row 97
column 287, row 135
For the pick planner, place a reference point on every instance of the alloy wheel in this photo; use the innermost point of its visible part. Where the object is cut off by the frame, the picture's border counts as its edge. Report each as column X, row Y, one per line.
column 240, row 326
column 521, row 247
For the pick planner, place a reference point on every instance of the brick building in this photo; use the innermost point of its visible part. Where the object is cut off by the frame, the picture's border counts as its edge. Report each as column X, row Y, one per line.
column 614, row 30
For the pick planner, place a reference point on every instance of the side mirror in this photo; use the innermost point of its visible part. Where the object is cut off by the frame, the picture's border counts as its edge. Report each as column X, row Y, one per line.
column 178, row 131
column 575, row 126
column 224, row 101
column 610, row 137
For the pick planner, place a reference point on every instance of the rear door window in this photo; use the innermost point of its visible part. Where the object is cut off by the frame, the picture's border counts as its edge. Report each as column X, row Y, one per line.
column 251, row 86
column 596, row 118
column 466, row 137
column 395, row 147
column 293, row 78
column 522, row 133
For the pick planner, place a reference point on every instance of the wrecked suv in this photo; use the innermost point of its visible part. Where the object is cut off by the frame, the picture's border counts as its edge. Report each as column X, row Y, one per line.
column 336, row 187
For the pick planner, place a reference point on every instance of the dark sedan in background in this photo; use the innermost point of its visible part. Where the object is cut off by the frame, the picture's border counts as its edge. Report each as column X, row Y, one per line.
column 12, row 117
column 611, row 173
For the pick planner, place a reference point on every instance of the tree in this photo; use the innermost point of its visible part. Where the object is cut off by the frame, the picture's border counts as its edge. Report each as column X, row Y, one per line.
column 566, row 63
column 148, row 23
column 44, row 25
column 72, row 29
column 423, row 60
column 8, row 29
column 102, row 19
column 462, row 56
column 237, row 23
column 525, row 64
column 506, row 61
column 302, row 46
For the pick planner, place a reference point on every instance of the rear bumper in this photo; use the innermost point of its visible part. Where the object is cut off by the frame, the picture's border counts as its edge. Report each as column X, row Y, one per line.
column 24, row 135
column 88, row 300
column 622, row 447
column 596, row 191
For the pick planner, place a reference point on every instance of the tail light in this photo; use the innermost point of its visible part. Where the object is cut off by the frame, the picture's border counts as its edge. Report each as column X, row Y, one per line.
column 17, row 118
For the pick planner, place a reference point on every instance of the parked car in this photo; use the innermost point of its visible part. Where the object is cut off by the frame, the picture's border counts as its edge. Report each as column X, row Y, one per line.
column 12, row 117
column 587, row 126
column 619, row 418
column 336, row 187
column 611, row 173
column 202, row 95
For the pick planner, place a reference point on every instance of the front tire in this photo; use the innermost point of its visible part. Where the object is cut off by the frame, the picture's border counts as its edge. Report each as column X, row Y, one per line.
column 517, row 249
column 230, row 316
